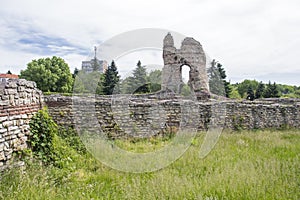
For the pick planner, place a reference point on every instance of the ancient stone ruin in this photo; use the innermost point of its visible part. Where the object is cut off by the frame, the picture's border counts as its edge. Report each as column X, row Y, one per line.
column 190, row 54
column 141, row 115
column 19, row 101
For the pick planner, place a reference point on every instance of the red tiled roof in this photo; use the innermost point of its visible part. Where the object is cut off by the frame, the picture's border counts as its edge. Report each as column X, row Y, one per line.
column 14, row 76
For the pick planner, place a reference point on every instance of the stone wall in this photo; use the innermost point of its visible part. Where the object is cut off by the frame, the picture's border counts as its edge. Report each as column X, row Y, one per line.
column 20, row 99
column 140, row 117
column 190, row 54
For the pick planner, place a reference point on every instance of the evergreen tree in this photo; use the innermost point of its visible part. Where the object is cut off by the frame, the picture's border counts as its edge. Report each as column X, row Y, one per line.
column 275, row 90
column 127, row 85
column 268, row 91
column 250, row 94
column 243, row 87
column 110, row 80
column 216, row 85
column 271, row 91
column 8, row 72
column 260, row 90
column 76, row 71
column 155, row 76
column 154, row 79
column 227, row 88
column 138, row 82
column 99, row 88
column 95, row 65
column 221, row 71
column 140, row 75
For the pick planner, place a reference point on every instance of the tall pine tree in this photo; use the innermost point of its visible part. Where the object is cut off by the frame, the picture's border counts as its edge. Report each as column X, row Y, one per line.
column 140, row 74
column 217, row 80
column 271, row 91
column 216, row 84
column 138, row 82
column 110, row 80
column 260, row 90
column 250, row 94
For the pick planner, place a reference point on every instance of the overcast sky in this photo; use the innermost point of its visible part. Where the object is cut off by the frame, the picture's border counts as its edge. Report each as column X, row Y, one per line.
column 251, row 38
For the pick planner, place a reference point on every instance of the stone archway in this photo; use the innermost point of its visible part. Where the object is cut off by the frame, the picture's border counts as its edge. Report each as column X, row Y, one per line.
column 185, row 74
column 190, row 54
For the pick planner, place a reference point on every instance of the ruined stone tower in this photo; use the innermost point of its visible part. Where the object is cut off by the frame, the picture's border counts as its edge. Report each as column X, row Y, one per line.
column 190, row 54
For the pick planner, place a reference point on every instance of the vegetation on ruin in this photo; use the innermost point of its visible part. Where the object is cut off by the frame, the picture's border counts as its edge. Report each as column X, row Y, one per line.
column 261, row 164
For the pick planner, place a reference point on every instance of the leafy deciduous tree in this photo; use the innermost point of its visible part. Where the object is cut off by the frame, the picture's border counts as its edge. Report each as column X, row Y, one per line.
column 50, row 74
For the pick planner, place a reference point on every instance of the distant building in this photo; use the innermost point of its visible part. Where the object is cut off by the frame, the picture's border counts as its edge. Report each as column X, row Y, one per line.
column 5, row 77
column 94, row 65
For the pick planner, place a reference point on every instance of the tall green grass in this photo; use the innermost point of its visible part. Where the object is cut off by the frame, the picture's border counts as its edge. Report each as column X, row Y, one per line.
column 243, row 165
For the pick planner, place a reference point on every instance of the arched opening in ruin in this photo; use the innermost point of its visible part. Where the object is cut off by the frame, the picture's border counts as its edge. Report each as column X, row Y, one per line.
column 185, row 73
column 185, row 88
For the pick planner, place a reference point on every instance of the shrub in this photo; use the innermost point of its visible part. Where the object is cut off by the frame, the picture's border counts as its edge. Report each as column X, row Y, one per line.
column 42, row 131
column 69, row 135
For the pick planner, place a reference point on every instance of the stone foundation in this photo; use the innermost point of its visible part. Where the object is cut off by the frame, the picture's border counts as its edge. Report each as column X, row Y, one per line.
column 20, row 99
column 145, row 117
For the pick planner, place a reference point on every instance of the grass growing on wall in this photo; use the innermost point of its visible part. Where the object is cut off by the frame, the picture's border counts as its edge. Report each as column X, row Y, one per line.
column 244, row 165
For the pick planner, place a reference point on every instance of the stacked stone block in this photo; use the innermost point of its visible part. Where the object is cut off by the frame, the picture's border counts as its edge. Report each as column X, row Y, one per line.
column 19, row 100
column 146, row 117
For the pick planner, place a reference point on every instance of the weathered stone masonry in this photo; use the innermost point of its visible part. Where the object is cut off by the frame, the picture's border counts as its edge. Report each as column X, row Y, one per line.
column 136, row 116
column 190, row 54
column 153, row 116
column 20, row 99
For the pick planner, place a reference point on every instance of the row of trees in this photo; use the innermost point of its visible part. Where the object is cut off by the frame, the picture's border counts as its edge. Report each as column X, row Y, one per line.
column 252, row 89
column 248, row 89
column 110, row 82
column 53, row 75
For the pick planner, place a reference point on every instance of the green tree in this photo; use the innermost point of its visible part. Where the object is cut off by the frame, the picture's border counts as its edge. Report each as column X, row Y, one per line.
column 271, row 91
column 275, row 90
column 86, row 82
column 155, row 76
column 216, row 83
column 154, row 79
column 99, row 89
column 297, row 93
column 250, row 94
column 140, row 75
column 223, row 77
column 76, row 71
column 127, row 85
column 243, row 87
column 50, row 74
column 137, row 83
column 234, row 94
column 260, row 90
column 8, row 72
column 217, row 80
column 111, row 79
column 95, row 64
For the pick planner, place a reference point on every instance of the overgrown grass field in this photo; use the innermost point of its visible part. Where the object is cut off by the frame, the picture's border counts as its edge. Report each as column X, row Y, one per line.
column 243, row 165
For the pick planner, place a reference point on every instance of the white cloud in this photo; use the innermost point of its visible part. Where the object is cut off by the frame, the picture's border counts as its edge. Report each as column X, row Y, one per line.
column 249, row 37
